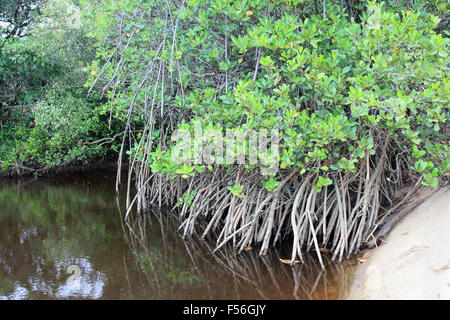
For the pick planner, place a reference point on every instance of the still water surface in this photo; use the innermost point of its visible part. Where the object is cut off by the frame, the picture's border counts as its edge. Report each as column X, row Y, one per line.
column 66, row 238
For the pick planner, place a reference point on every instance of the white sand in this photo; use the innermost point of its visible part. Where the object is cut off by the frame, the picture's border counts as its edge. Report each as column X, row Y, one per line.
column 414, row 260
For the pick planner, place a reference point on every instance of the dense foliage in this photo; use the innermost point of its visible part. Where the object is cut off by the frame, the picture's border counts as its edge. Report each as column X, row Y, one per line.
column 334, row 83
column 46, row 119
column 357, row 91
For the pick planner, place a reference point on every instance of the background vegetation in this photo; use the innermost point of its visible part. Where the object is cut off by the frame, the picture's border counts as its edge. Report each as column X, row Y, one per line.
column 46, row 118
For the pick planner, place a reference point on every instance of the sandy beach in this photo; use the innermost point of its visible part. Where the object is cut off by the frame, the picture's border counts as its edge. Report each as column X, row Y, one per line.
column 413, row 262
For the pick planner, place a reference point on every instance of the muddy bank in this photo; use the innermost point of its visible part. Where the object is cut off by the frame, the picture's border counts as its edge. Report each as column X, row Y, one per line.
column 413, row 262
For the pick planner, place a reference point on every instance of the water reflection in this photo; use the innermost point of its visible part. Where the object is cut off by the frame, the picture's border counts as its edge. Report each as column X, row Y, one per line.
column 47, row 226
column 225, row 274
column 90, row 285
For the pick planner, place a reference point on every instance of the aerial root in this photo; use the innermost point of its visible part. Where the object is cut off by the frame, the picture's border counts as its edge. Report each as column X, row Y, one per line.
column 341, row 218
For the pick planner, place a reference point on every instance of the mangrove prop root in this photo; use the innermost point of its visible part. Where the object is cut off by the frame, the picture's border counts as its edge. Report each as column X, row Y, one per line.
column 343, row 217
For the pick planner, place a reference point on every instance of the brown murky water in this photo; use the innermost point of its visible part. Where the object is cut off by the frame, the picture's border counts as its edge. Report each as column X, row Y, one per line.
column 65, row 239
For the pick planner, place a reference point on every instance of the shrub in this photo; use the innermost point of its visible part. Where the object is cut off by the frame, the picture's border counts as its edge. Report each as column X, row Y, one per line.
column 359, row 96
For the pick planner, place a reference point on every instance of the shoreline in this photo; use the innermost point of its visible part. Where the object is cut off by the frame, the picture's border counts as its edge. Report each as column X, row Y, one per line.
column 109, row 167
column 413, row 261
